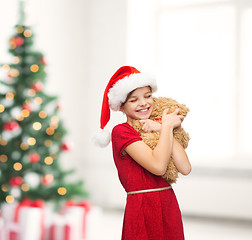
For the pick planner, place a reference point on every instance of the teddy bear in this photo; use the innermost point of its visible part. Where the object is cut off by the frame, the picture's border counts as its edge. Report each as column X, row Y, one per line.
column 151, row 139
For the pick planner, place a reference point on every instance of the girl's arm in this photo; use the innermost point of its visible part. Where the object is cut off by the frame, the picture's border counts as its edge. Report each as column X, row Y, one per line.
column 180, row 158
column 156, row 161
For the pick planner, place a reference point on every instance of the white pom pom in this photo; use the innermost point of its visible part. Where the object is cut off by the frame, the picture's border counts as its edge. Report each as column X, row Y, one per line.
column 102, row 138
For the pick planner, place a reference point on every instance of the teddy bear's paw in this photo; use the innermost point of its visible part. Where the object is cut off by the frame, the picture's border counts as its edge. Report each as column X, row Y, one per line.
column 136, row 125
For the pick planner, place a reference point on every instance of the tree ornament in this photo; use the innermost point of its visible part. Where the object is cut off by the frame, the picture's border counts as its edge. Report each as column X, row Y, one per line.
column 43, row 60
column 27, row 107
column 27, row 33
column 13, row 73
column 9, row 199
column 19, row 41
column 59, row 106
column 34, row 157
column 2, row 108
column 47, row 179
column 16, row 181
column 32, row 179
column 62, row 191
column 38, row 86
column 34, row 68
column 15, row 192
column 65, row 146
column 10, row 126
column 19, row 29
column 12, row 42
column 16, row 60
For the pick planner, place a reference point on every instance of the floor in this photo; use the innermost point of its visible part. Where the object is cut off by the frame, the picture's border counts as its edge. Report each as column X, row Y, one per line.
column 195, row 228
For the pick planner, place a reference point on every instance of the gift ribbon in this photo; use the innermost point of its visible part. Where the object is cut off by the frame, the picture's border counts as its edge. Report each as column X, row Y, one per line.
column 86, row 206
column 9, row 231
column 31, row 203
column 13, row 235
column 67, row 232
column 52, row 232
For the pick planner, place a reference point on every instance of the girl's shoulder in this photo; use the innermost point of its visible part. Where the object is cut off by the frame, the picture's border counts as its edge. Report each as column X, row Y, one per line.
column 121, row 126
column 122, row 135
column 124, row 128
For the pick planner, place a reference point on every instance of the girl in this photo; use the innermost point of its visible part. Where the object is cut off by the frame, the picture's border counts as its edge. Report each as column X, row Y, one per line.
column 152, row 211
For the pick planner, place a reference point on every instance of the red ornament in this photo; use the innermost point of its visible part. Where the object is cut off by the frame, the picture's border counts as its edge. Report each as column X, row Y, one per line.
column 27, row 107
column 42, row 60
column 38, row 86
column 34, row 157
column 19, row 41
column 59, row 106
column 65, row 147
column 47, row 179
column 16, row 181
column 10, row 126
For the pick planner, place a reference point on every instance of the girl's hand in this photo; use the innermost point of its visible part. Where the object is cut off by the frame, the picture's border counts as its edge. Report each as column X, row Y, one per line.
column 150, row 126
column 172, row 120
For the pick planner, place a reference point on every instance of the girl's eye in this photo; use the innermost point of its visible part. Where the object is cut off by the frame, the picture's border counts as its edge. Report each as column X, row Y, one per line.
column 148, row 96
column 132, row 99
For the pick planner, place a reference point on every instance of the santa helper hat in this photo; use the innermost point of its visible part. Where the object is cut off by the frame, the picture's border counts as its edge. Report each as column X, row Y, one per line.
column 125, row 80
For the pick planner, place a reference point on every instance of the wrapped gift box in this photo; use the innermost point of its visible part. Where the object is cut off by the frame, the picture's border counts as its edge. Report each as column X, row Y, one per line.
column 78, row 212
column 62, row 228
column 23, row 221
column 8, row 230
column 32, row 220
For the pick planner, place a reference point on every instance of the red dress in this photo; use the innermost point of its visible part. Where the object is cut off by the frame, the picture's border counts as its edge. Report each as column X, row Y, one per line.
column 147, row 216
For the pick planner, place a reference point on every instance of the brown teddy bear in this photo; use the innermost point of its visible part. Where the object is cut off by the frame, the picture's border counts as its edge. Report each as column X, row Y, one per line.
column 151, row 139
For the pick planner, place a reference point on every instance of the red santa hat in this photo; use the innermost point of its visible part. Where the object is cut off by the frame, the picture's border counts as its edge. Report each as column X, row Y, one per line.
column 125, row 80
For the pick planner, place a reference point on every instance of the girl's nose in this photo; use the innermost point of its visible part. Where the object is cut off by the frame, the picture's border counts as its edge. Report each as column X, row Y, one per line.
column 142, row 102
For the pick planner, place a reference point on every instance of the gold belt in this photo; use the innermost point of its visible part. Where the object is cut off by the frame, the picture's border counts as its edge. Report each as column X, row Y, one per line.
column 149, row 190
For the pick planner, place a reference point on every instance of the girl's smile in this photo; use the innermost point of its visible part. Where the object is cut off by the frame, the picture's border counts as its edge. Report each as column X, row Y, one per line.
column 139, row 104
column 143, row 110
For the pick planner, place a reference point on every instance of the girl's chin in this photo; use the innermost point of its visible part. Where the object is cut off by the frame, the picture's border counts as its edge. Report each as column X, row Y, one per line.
column 143, row 116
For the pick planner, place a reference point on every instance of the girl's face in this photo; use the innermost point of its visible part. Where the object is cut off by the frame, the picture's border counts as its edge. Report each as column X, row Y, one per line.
column 139, row 104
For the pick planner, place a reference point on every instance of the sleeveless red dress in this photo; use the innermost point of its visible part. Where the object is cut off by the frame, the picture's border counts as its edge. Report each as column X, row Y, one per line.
column 147, row 216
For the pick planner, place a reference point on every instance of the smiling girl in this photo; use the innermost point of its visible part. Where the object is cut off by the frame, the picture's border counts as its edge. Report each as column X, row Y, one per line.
column 152, row 210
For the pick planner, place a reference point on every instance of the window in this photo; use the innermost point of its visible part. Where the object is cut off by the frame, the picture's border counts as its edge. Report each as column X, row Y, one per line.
column 201, row 53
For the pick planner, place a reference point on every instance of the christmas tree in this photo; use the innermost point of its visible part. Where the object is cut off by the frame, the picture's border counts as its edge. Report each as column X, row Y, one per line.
column 31, row 132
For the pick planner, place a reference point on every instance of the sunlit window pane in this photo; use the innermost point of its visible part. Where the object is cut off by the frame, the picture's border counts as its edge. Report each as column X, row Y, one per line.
column 197, row 68
column 201, row 54
column 246, row 86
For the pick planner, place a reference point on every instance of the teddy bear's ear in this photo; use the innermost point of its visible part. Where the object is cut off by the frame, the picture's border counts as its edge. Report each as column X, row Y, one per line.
column 102, row 138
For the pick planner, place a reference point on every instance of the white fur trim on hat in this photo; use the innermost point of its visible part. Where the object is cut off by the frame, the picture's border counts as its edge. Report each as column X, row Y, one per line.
column 118, row 93
column 102, row 138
